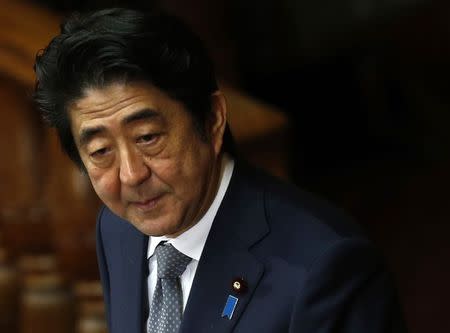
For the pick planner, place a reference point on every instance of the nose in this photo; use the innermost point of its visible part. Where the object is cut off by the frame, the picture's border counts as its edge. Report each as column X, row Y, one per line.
column 133, row 170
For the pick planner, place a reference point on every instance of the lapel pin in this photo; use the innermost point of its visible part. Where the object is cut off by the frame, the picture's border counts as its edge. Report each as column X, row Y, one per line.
column 230, row 305
column 239, row 286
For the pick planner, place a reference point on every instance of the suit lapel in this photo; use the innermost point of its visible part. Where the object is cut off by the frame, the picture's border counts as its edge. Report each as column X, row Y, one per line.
column 239, row 224
column 133, row 290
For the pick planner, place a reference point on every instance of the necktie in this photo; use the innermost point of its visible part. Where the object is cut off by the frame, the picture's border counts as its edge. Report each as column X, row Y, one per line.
column 167, row 305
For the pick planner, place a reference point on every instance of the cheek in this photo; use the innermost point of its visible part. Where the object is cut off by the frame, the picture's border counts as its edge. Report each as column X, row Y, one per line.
column 195, row 171
column 105, row 184
column 179, row 173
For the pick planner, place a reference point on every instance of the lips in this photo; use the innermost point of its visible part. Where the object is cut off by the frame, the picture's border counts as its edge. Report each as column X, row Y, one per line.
column 148, row 204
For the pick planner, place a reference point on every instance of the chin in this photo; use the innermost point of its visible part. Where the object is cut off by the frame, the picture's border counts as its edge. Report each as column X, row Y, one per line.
column 154, row 228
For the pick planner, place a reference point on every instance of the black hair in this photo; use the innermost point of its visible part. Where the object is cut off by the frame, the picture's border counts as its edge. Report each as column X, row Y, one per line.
column 123, row 45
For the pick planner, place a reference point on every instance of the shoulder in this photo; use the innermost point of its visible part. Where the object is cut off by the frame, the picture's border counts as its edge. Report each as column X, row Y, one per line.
column 109, row 221
column 286, row 205
column 111, row 227
column 320, row 262
column 308, row 226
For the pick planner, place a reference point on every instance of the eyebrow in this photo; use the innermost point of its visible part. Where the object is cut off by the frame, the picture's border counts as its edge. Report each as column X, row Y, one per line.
column 140, row 115
column 87, row 134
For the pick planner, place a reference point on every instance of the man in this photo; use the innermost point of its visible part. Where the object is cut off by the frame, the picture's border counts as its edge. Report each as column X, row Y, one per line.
column 135, row 103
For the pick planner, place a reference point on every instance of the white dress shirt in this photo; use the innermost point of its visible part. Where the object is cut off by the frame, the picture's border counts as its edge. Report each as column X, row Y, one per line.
column 192, row 241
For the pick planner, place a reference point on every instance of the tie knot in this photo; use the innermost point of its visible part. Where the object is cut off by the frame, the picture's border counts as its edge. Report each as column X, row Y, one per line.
column 171, row 262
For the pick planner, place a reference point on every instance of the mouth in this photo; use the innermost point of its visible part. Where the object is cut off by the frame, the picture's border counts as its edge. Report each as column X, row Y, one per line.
column 147, row 205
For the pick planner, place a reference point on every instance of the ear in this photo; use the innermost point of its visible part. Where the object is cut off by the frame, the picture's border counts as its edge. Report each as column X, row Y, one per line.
column 218, row 121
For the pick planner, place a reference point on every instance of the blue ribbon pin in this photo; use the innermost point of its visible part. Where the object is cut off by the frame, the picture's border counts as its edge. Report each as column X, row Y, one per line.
column 229, row 307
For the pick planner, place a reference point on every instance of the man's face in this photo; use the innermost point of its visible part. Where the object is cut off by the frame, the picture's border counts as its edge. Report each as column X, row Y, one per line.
column 144, row 157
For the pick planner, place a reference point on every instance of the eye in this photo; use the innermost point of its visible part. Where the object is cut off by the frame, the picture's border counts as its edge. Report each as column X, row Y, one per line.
column 147, row 138
column 99, row 152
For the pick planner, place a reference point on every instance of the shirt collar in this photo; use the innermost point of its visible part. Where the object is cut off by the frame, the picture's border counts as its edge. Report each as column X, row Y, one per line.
column 192, row 241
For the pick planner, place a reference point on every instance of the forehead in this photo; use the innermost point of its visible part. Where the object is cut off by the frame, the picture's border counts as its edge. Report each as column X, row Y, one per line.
column 102, row 102
column 114, row 104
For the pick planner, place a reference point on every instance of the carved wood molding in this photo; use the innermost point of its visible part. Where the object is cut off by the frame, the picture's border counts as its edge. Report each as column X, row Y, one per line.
column 24, row 29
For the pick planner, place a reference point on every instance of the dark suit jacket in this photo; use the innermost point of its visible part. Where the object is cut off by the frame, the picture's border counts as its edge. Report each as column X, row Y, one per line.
column 308, row 268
